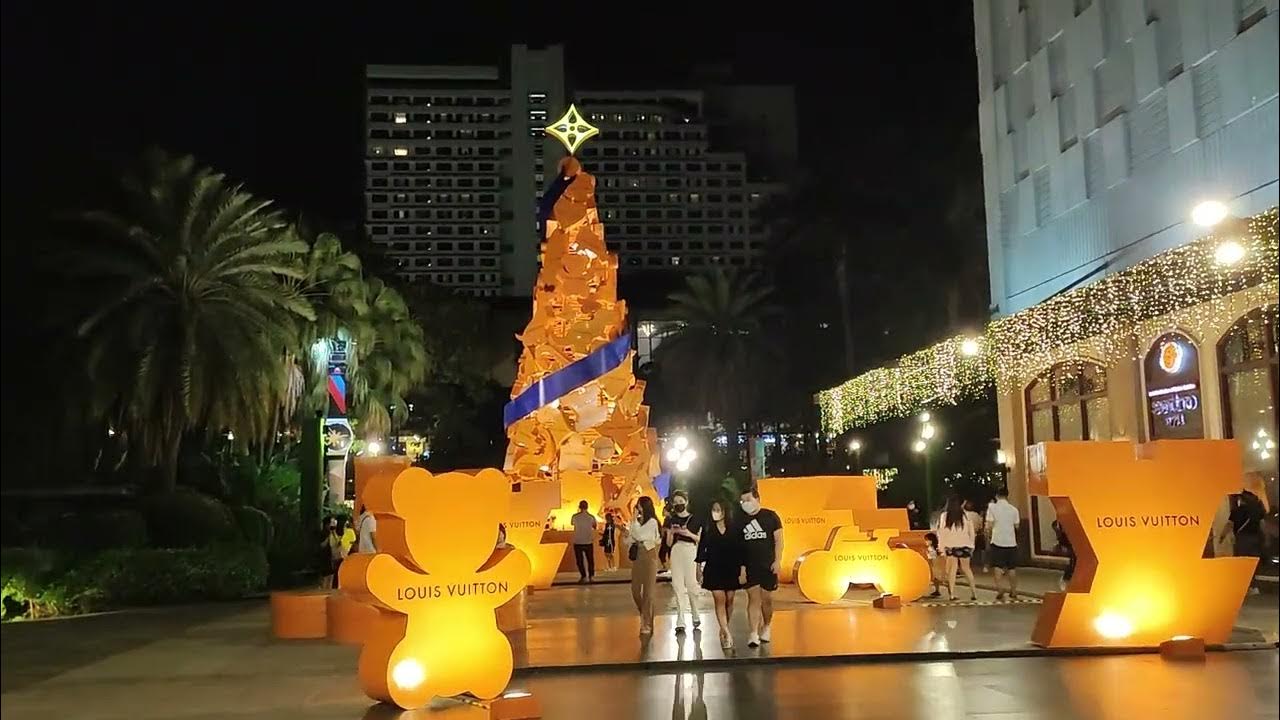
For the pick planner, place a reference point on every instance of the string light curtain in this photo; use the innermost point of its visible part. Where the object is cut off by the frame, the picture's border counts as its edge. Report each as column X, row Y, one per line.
column 1189, row 280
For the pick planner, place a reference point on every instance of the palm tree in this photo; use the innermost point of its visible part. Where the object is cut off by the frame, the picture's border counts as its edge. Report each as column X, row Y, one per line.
column 392, row 361
column 720, row 350
column 191, row 310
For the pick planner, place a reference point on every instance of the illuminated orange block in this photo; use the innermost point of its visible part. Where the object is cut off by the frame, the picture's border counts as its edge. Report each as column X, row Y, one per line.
column 806, row 523
column 298, row 614
column 349, row 617
column 370, row 468
column 526, row 522
column 442, row 592
column 850, row 557
column 887, row 602
column 1183, row 648
column 1138, row 518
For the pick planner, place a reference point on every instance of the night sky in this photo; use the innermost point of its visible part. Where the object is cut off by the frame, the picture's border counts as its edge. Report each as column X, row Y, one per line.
column 273, row 98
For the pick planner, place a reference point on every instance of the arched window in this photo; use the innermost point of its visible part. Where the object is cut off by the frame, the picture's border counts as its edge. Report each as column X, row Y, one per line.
column 1247, row 356
column 1067, row 402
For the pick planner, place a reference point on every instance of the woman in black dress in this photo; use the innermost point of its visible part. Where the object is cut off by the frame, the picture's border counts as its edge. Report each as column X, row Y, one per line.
column 720, row 560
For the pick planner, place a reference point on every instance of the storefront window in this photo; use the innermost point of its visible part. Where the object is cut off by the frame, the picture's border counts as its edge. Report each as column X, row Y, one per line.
column 1069, row 402
column 1247, row 357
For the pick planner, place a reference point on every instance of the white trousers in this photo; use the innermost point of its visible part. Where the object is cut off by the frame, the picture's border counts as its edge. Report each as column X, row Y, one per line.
column 684, row 580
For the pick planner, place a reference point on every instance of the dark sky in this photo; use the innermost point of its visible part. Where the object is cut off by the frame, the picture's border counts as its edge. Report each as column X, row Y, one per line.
column 272, row 96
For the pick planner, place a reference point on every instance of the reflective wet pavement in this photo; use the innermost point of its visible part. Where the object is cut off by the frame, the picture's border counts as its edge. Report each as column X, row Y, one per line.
column 216, row 661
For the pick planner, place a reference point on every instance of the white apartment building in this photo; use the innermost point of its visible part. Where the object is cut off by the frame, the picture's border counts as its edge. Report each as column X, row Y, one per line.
column 1103, row 123
column 456, row 162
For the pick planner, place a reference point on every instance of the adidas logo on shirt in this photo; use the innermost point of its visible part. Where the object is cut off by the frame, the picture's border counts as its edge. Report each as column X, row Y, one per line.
column 753, row 531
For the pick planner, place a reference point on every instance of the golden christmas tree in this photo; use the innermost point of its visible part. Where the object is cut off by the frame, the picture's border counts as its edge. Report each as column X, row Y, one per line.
column 577, row 415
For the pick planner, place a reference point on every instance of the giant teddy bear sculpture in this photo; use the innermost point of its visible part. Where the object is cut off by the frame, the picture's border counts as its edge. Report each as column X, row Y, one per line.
column 437, row 579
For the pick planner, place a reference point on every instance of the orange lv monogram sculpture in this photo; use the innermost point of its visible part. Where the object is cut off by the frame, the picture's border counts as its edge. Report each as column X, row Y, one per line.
column 1138, row 517
column 437, row 581
column 824, row 576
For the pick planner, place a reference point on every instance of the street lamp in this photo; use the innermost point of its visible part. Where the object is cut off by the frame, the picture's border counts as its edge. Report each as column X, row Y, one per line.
column 1209, row 213
column 855, row 447
column 374, row 447
column 681, row 455
column 922, row 446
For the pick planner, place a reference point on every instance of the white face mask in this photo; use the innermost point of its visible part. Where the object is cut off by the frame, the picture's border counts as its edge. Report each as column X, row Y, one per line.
column 717, row 515
column 751, row 506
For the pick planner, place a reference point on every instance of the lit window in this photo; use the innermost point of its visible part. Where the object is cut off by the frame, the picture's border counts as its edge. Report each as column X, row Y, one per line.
column 675, row 259
column 401, row 118
column 401, row 151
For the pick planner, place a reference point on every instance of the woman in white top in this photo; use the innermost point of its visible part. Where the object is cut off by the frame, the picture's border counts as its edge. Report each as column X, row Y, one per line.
column 642, row 532
column 955, row 538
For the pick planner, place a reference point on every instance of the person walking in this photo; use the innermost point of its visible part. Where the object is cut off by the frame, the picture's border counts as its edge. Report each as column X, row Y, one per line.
column 915, row 519
column 979, row 536
column 642, row 539
column 720, row 563
column 584, row 543
column 761, row 533
column 335, row 547
column 1002, row 523
column 955, row 537
column 609, row 542
column 681, row 531
column 1246, row 521
column 367, row 531
column 1064, row 548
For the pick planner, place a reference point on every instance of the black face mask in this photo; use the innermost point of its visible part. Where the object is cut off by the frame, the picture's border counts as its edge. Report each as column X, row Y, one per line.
column 679, row 508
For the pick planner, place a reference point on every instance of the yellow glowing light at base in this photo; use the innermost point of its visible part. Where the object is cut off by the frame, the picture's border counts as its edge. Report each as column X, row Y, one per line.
column 436, row 583
column 1113, row 626
column 408, row 674
column 1137, row 517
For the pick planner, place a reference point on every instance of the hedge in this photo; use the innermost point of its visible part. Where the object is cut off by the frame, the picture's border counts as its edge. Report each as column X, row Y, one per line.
column 183, row 519
column 255, row 526
column 41, row 583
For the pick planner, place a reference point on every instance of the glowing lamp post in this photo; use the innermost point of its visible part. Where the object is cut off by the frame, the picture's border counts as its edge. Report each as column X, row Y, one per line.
column 855, row 448
column 922, row 447
column 680, row 455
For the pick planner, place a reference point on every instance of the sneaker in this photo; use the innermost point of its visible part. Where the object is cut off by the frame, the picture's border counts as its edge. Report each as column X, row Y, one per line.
column 766, row 634
column 680, row 629
column 753, row 640
column 935, row 594
column 697, row 623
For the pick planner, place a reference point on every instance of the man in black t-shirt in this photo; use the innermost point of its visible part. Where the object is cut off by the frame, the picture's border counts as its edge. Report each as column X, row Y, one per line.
column 761, row 531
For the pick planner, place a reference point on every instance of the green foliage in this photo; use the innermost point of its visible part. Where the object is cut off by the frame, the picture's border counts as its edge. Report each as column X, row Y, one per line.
column 144, row 577
column 187, row 309
column 28, row 583
column 186, row 519
column 720, row 354
column 89, row 530
column 255, row 525
column 294, row 554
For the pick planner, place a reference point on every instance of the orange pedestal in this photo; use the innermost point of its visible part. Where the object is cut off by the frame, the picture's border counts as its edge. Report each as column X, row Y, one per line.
column 299, row 614
column 887, row 602
column 350, row 617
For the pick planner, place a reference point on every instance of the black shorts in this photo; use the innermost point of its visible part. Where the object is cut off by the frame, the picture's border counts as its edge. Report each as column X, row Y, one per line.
column 762, row 576
column 960, row 552
column 1005, row 558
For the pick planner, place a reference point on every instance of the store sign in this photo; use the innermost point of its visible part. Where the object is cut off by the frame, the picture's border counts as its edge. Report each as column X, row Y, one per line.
column 850, row 557
column 1172, row 371
column 439, row 573
column 1137, row 516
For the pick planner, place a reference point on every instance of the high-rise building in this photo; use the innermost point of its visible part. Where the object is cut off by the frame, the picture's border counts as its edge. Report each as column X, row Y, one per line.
column 1103, row 124
column 456, row 162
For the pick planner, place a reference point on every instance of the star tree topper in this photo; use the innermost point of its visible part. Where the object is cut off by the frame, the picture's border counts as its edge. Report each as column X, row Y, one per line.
column 572, row 130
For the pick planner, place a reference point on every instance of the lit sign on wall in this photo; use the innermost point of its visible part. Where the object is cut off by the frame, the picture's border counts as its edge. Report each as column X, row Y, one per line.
column 1172, row 371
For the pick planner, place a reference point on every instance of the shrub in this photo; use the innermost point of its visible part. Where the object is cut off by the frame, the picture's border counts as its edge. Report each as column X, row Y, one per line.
column 255, row 525
column 186, row 519
column 294, row 553
column 89, row 530
column 39, row 583
column 147, row 577
column 27, row 576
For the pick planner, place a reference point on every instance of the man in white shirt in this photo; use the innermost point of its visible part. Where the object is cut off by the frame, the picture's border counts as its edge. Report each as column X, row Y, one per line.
column 584, row 539
column 1002, row 524
column 367, row 532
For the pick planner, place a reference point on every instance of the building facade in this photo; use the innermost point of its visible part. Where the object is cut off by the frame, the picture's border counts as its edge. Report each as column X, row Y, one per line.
column 1103, row 123
column 456, row 162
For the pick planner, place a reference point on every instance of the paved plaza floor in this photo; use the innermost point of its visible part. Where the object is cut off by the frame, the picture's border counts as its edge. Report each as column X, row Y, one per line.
column 582, row 653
